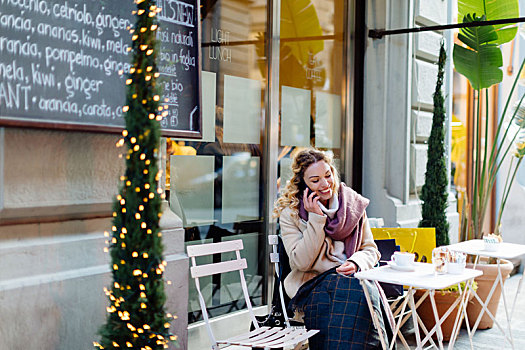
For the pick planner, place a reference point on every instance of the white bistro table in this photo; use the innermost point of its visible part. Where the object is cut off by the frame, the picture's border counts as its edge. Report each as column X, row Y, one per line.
column 423, row 277
column 505, row 251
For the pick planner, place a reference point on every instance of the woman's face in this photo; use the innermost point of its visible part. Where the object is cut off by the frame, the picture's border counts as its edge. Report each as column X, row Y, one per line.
column 319, row 178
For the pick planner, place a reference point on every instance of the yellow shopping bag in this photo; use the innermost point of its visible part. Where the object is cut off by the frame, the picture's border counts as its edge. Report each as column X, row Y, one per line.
column 419, row 241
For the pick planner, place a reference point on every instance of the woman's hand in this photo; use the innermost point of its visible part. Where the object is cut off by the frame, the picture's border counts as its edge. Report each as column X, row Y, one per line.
column 311, row 202
column 348, row 268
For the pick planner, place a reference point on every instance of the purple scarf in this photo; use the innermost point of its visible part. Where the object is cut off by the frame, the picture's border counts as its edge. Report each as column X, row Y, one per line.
column 347, row 224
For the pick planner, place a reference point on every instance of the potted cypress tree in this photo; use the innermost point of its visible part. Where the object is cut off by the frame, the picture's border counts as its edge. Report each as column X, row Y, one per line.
column 434, row 195
column 136, row 316
column 434, row 192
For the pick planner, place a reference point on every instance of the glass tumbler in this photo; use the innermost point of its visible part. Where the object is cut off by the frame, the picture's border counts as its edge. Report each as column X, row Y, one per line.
column 440, row 257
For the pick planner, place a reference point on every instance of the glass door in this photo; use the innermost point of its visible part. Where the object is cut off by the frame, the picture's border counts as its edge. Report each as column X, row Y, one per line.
column 215, row 183
column 311, row 80
column 223, row 185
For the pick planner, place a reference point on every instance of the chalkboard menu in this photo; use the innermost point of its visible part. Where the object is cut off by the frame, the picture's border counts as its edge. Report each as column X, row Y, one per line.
column 61, row 63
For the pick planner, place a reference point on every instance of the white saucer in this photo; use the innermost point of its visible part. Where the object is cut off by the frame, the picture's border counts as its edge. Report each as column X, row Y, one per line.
column 401, row 268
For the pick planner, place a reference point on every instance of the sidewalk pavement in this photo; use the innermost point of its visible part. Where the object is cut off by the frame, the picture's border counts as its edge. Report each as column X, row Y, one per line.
column 487, row 339
column 493, row 338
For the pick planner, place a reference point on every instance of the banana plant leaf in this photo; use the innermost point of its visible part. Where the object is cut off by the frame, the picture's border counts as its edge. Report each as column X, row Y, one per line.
column 298, row 20
column 493, row 9
column 481, row 60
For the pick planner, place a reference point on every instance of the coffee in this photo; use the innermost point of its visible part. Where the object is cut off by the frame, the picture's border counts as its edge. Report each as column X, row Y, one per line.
column 403, row 258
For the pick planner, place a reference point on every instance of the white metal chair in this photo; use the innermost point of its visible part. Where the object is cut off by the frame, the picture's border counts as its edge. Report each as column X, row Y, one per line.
column 261, row 337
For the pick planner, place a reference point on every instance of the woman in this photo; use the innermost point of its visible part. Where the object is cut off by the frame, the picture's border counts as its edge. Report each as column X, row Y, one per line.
column 326, row 234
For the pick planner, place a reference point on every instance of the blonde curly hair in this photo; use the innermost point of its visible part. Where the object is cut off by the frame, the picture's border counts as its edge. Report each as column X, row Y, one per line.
column 291, row 193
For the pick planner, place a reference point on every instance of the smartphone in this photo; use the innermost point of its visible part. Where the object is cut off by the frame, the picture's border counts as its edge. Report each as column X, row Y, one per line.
column 302, row 188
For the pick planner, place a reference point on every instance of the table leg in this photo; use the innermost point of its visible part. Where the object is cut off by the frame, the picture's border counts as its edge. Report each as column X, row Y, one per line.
column 419, row 302
column 439, row 321
column 396, row 332
column 500, row 277
column 436, row 317
column 411, row 292
column 404, row 316
column 375, row 321
column 396, row 308
column 476, row 260
column 457, row 321
column 424, row 329
column 484, row 305
column 462, row 311
column 426, row 332
column 403, row 341
column 467, row 323
column 516, row 296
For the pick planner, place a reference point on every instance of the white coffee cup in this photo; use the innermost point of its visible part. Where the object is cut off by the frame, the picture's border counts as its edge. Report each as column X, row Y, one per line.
column 403, row 258
column 455, row 268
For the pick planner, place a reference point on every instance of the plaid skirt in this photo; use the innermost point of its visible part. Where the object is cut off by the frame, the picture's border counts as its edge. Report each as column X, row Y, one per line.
column 336, row 305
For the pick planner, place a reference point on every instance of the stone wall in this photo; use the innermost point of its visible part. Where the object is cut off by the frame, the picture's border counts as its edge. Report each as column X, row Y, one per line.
column 56, row 190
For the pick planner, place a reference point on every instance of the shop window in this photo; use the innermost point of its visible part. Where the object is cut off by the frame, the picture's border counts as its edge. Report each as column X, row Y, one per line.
column 312, row 72
column 215, row 183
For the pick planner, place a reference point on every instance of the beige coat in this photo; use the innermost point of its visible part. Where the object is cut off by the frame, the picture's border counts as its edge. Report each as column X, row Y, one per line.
column 311, row 252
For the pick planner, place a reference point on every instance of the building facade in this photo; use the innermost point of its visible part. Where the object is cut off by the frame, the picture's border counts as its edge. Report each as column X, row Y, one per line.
column 276, row 76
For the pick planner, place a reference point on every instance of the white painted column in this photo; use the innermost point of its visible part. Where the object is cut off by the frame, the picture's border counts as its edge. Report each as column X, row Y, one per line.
column 400, row 76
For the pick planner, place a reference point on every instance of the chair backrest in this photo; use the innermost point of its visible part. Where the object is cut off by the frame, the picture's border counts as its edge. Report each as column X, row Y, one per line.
column 220, row 267
column 279, row 258
column 238, row 264
column 386, row 248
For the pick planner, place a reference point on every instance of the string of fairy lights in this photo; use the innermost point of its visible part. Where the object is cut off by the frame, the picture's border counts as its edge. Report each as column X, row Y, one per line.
column 136, row 316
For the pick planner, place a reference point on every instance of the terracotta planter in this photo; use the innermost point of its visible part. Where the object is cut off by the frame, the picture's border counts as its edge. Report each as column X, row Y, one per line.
column 443, row 302
column 485, row 281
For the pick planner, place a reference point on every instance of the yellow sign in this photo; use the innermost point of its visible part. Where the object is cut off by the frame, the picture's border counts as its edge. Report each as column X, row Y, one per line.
column 420, row 241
